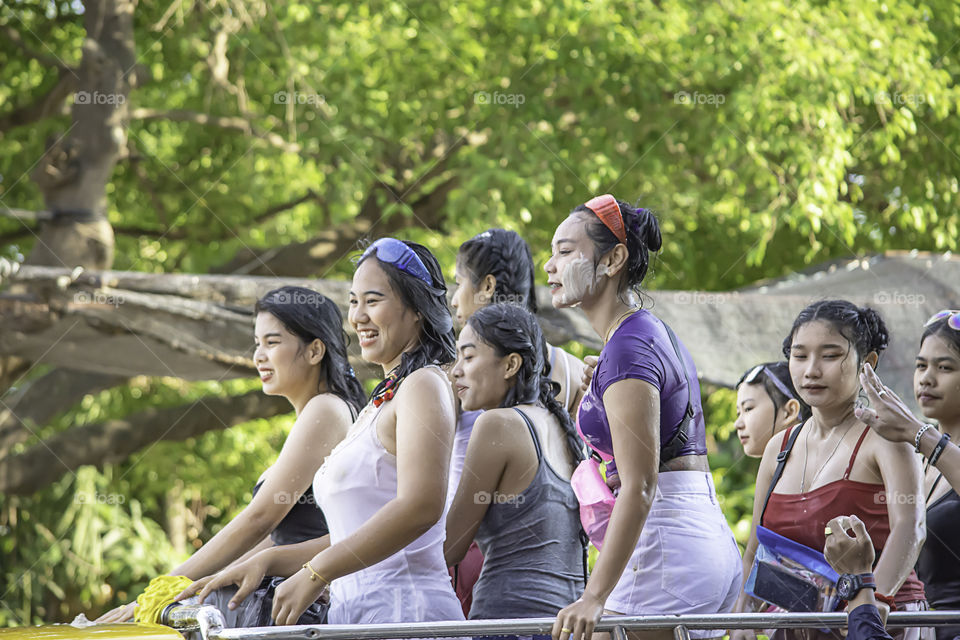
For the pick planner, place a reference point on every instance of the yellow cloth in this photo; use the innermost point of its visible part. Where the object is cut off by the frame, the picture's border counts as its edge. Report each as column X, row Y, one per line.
column 158, row 594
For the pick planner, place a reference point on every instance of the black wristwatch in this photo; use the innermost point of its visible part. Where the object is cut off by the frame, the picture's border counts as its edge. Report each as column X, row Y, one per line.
column 850, row 584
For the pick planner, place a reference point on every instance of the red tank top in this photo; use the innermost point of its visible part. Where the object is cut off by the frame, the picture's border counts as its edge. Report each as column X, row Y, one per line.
column 802, row 517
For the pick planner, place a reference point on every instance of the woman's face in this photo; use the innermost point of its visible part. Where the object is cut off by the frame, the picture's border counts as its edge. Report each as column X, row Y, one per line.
column 282, row 359
column 936, row 380
column 467, row 299
column 823, row 366
column 756, row 418
column 571, row 272
column 480, row 377
column 385, row 326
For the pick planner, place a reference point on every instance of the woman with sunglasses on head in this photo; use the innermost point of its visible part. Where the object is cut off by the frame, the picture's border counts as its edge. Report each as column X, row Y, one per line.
column 301, row 354
column 667, row 548
column 383, row 488
column 496, row 266
column 837, row 466
column 936, row 385
column 766, row 405
column 516, row 501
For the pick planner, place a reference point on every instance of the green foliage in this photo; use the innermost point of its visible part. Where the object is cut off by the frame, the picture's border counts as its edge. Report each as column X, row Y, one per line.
column 768, row 135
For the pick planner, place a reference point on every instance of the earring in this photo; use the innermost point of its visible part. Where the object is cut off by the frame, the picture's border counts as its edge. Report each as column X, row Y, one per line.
column 602, row 270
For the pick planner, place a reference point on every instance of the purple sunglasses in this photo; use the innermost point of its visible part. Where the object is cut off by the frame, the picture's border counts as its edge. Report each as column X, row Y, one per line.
column 952, row 316
column 395, row 252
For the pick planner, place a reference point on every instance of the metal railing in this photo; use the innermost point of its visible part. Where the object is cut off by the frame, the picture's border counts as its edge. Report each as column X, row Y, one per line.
column 209, row 622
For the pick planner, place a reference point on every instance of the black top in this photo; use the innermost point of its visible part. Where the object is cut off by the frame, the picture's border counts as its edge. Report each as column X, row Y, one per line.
column 939, row 562
column 304, row 521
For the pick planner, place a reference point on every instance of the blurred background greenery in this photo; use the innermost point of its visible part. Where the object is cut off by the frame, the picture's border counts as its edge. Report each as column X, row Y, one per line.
column 768, row 135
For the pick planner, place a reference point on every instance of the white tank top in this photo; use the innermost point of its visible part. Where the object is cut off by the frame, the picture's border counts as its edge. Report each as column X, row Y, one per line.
column 355, row 481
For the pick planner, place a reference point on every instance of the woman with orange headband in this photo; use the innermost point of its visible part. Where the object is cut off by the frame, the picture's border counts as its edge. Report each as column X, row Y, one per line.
column 667, row 548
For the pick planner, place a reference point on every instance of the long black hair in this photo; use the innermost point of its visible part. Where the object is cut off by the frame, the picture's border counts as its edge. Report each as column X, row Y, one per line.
column 769, row 374
column 312, row 316
column 643, row 236
column 437, row 342
column 861, row 326
column 509, row 328
column 505, row 256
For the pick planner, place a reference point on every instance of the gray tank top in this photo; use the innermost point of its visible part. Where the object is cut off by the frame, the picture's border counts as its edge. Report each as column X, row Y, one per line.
column 532, row 554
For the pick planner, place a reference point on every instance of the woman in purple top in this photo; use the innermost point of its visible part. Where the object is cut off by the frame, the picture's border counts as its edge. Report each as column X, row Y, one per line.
column 668, row 548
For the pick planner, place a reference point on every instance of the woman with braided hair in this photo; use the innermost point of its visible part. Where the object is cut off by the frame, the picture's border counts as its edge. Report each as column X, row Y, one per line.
column 517, row 501
column 496, row 267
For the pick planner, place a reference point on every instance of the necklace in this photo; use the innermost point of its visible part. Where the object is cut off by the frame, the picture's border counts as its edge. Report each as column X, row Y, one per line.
column 806, row 451
column 616, row 323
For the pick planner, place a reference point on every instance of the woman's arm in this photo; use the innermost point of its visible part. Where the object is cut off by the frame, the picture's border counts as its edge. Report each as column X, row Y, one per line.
column 486, row 460
column 425, row 422
column 319, row 427
column 903, row 483
column 633, row 412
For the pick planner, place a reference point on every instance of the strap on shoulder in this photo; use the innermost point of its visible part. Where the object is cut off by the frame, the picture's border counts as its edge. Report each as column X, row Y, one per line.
column 533, row 432
column 684, row 430
column 789, row 439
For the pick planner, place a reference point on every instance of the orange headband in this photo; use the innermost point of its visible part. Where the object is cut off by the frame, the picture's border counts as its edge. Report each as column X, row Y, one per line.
column 606, row 208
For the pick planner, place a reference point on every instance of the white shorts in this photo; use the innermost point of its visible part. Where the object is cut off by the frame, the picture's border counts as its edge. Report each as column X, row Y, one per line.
column 687, row 560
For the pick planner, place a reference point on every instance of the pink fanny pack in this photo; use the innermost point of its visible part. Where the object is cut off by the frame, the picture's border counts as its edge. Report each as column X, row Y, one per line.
column 595, row 497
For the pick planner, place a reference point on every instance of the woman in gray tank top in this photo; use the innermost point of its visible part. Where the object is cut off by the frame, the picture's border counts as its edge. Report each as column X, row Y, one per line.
column 514, row 496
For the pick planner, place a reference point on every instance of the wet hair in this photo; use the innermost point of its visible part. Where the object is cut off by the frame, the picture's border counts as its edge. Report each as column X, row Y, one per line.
column 940, row 328
column 861, row 326
column 510, row 329
column 437, row 342
column 505, row 256
column 781, row 372
column 312, row 316
column 643, row 236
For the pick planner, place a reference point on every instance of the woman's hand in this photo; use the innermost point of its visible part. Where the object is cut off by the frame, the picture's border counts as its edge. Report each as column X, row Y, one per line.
column 589, row 364
column 888, row 415
column 294, row 595
column 246, row 575
column 123, row 613
column 577, row 621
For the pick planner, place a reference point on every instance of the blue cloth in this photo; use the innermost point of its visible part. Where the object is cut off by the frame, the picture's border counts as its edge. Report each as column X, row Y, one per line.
column 864, row 624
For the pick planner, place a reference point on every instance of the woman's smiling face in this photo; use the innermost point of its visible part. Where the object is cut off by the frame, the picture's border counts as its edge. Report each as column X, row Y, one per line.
column 479, row 376
column 385, row 326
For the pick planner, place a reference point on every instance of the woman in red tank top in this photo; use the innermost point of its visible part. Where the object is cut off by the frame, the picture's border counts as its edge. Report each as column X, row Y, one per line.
column 837, row 466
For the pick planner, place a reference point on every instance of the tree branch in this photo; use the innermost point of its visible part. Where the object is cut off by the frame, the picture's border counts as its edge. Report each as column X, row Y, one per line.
column 37, row 402
column 230, row 123
column 114, row 440
column 44, row 106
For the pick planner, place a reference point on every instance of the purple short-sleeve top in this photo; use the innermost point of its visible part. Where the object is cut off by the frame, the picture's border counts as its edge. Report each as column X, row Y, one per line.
column 640, row 349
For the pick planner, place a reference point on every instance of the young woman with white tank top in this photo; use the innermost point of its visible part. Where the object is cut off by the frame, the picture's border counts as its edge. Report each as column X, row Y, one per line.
column 383, row 488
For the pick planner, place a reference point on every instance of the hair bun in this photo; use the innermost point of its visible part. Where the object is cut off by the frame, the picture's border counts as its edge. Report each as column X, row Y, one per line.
column 877, row 329
column 649, row 229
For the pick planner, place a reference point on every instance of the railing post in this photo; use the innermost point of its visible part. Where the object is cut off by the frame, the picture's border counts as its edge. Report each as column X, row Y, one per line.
column 619, row 633
column 680, row 632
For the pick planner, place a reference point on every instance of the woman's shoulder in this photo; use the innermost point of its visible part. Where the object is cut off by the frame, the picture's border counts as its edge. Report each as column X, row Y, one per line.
column 499, row 419
column 326, row 408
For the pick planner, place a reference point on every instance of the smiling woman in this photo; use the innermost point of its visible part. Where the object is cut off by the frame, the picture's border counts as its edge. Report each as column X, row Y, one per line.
column 301, row 355
column 383, row 488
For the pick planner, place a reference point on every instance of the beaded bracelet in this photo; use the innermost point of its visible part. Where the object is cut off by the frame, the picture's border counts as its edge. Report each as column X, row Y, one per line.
column 923, row 430
column 316, row 576
column 938, row 450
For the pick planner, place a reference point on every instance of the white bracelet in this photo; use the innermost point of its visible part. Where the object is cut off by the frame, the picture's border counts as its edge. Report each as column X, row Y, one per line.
column 920, row 432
